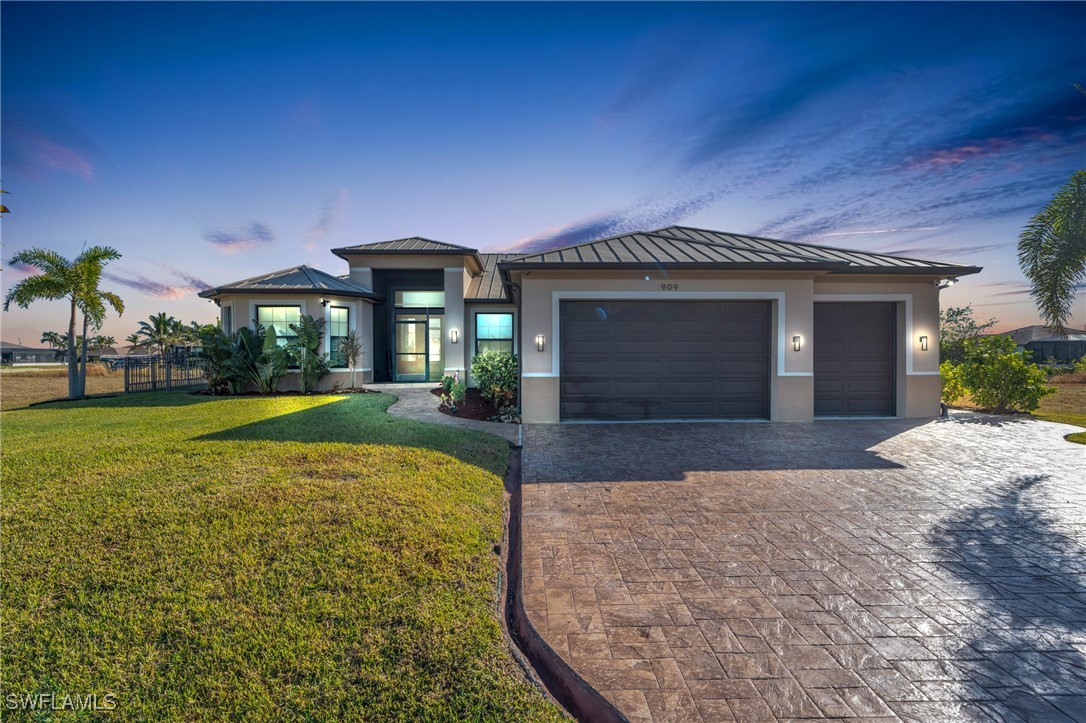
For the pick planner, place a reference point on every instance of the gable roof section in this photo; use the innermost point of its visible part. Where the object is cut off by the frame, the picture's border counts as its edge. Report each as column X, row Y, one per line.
column 488, row 286
column 413, row 246
column 299, row 279
column 679, row 247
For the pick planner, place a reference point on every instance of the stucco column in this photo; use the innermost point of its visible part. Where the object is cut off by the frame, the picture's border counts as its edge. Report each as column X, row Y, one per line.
column 455, row 353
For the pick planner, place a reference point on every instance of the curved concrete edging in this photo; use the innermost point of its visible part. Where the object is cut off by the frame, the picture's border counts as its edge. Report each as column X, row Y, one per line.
column 569, row 690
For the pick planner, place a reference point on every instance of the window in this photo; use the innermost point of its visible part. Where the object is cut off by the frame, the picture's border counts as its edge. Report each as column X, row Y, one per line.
column 494, row 332
column 280, row 318
column 228, row 320
column 420, row 299
column 339, row 323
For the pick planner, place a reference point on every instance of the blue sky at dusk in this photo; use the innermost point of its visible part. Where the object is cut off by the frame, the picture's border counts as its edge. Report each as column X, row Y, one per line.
column 210, row 142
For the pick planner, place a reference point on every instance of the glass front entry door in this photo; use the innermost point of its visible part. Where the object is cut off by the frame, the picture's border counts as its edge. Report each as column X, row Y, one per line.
column 418, row 349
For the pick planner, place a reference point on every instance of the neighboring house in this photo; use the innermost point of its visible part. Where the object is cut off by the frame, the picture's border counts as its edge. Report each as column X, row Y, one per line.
column 1044, row 345
column 677, row 323
column 19, row 354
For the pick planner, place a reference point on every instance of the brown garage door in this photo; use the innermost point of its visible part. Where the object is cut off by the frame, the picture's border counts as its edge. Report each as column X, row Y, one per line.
column 664, row 359
column 854, row 354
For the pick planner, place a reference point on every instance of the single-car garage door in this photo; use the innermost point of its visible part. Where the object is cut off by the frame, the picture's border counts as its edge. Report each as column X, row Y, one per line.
column 854, row 354
column 664, row 359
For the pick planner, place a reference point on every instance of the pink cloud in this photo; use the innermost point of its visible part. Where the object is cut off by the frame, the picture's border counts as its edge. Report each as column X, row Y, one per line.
column 32, row 152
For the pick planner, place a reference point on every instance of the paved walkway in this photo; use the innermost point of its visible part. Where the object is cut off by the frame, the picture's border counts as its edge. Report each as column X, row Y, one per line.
column 842, row 569
column 416, row 401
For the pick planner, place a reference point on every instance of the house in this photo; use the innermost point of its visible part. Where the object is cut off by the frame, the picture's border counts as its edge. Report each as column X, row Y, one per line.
column 677, row 323
column 19, row 354
column 1044, row 345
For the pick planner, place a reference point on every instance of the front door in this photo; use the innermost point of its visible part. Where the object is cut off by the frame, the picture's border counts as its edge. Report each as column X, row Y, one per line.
column 419, row 355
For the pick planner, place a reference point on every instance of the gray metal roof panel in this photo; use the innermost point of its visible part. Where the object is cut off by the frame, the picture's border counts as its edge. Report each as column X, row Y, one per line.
column 410, row 245
column 295, row 279
column 488, row 285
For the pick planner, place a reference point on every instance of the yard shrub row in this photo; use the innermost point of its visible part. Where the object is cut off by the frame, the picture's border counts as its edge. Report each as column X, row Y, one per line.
column 254, row 358
column 996, row 375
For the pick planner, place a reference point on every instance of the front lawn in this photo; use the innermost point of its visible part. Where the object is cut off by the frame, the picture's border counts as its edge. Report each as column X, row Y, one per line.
column 291, row 558
column 1067, row 405
column 22, row 386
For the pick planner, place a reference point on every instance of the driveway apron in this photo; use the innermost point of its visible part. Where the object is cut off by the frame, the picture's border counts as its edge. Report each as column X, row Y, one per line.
column 890, row 569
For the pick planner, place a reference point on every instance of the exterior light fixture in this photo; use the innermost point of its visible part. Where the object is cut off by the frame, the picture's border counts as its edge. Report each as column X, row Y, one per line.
column 924, row 343
column 324, row 303
column 454, row 335
column 797, row 343
column 945, row 283
column 540, row 342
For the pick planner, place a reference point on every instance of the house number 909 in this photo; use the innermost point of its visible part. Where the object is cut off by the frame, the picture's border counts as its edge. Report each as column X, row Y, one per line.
column 669, row 287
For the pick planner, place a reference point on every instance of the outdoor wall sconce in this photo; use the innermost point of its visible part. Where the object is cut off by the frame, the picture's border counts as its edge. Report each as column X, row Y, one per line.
column 540, row 342
column 924, row 343
column 797, row 343
column 454, row 336
column 324, row 303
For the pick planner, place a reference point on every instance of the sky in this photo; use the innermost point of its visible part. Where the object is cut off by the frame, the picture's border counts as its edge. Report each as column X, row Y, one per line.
column 210, row 142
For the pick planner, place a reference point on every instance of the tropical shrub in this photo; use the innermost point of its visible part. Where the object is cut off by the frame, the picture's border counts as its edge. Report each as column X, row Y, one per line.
column 952, row 387
column 956, row 325
column 1080, row 365
column 304, row 350
column 218, row 349
column 1000, row 378
column 495, row 374
column 447, row 382
column 258, row 359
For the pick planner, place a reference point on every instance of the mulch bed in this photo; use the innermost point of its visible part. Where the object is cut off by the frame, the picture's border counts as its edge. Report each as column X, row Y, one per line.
column 473, row 406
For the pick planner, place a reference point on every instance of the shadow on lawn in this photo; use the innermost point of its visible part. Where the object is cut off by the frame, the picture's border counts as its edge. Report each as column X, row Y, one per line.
column 147, row 399
column 359, row 419
column 1028, row 652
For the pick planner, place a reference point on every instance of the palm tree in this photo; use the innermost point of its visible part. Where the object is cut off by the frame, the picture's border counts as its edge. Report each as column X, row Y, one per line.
column 101, row 342
column 75, row 281
column 161, row 331
column 350, row 348
column 134, row 339
column 92, row 303
column 53, row 339
column 1052, row 253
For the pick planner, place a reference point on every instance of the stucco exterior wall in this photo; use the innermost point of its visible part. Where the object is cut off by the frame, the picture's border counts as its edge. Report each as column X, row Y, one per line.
column 792, row 298
column 361, row 321
column 470, row 310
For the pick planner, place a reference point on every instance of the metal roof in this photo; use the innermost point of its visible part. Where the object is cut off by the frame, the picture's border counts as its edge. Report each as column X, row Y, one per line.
column 412, row 245
column 488, row 285
column 297, row 279
column 1028, row 334
column 680, row 246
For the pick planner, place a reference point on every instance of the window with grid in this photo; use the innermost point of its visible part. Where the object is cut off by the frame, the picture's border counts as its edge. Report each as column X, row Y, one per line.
column 280, row 318
column 494, row 332
column 339, row 323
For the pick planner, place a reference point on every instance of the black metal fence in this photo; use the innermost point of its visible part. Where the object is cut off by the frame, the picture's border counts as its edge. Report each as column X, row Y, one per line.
column 158, row 374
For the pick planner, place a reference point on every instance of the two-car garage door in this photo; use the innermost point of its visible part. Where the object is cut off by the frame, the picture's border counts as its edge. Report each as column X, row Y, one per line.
column 664, row 359
column 623, row 360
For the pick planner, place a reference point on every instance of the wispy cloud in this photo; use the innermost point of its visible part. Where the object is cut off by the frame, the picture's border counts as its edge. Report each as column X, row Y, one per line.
column 647, row 214
column 33, row 151
column 331, row 216
column 942, row 252
column 878, row 231
column 231, row 242
column 20, row 269
column 160, row 289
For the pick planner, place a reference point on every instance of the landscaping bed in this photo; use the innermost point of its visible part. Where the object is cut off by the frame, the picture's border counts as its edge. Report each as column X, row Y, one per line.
column 473, row 406
column 301, row 557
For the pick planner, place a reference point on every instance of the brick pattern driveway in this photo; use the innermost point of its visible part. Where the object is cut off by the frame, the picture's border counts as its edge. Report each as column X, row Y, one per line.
column 842, row 569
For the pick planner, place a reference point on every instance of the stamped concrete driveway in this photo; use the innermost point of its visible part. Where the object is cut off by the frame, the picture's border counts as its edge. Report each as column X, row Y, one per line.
column 842, row 569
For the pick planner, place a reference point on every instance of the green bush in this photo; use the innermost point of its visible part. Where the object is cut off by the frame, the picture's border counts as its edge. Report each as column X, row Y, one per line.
column 495, row 373
column 1080, row 365
column 951, row 377
column 1000, row 378
column 447, row 382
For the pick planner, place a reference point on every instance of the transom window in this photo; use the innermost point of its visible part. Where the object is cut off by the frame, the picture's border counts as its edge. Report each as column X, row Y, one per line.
column 420, row 299
column 494, row 332
column 339, row 323
column 280, row 318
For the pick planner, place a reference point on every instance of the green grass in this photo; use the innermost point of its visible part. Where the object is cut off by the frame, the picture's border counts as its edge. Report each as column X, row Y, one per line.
column 1068, row 406
column 292, row 558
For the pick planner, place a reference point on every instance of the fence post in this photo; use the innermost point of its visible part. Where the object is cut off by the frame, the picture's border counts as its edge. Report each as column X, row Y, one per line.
column 169, row 376
column 126, row 376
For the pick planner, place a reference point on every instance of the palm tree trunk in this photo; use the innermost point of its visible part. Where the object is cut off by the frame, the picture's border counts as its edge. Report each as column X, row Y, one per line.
column 83, row 362
column 73, row 372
